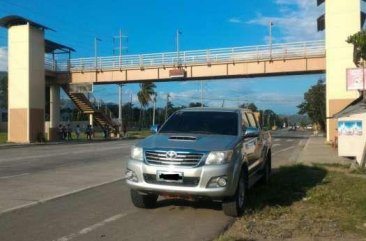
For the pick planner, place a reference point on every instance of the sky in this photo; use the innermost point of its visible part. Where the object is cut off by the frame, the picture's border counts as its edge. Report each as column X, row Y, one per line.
column 150, row 27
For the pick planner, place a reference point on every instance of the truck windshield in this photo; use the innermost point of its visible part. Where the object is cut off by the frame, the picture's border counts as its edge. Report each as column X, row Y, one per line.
column 205, row 122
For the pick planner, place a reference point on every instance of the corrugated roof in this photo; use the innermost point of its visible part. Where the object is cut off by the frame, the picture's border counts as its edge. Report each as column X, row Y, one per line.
column 51, row 46
column 14, row 20
column 358, row 106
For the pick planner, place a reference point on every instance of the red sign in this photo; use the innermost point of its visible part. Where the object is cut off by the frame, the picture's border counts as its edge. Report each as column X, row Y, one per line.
column 356, row 79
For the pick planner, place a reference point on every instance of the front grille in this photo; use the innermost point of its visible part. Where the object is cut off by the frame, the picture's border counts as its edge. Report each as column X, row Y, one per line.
column 187, row 181
column 187, row 159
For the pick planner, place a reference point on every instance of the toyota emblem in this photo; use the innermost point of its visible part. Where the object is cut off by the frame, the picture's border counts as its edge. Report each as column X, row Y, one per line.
column 171, row 154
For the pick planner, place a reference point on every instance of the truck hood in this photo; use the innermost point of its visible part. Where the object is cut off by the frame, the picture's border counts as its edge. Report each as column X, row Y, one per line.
column 189, row 142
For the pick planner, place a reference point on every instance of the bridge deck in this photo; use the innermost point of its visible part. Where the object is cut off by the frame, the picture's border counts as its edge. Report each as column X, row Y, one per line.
column 288, row 58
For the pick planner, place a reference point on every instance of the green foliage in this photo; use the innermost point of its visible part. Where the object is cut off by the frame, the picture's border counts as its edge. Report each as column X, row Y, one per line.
column 196, row 104
column 359, row 46
column 314, row 104
column 250, row 106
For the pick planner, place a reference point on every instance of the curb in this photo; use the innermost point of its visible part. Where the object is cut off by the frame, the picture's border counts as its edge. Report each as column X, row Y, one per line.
column 42, row 201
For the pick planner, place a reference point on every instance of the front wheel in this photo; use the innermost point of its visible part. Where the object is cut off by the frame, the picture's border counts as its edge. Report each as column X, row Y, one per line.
column 143, row 200
column 267, row 169
column 234, row 206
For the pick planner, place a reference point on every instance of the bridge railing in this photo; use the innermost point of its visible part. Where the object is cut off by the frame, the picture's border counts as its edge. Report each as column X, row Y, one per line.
column 210, row 56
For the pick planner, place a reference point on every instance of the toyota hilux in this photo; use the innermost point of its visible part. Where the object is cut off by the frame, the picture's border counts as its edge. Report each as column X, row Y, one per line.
column 213, row 153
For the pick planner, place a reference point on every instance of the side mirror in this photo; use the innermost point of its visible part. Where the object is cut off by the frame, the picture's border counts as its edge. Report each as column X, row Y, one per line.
column 154, row 129
column 251, row 132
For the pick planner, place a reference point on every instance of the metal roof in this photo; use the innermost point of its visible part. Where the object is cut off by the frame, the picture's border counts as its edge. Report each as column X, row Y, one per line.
column 14, row 20
column 358, row 106
column 51, row 46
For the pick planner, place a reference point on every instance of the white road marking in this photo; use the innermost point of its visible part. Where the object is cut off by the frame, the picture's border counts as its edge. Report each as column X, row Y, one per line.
column 92, row 227
column 289, row 140
column 18, row 175
column 286, row 149
column 274, row 145
column 275, row 140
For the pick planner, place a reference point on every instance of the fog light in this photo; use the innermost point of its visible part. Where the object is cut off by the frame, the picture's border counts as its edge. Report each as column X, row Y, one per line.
column 131, row 176
column 222, row 181
column 216, row 182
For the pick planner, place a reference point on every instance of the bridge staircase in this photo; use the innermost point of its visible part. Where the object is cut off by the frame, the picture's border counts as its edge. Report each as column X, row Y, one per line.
column 101, row 116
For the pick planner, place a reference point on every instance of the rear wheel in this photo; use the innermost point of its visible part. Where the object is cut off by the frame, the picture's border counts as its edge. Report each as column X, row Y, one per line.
column 143, row 200
column 234, row 206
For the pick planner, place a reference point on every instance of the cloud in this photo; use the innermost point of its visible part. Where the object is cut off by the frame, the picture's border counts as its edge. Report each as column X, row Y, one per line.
column 3, row 59
column 235, row 20
column 296, row 23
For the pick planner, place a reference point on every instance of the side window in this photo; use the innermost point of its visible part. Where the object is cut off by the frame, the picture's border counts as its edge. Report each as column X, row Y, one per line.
column 245, row 121
column 252, row 120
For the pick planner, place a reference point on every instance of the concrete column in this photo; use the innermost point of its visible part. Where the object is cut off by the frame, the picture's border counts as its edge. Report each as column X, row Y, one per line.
column 342, row 19
column 91, row 119
column 54, row 112
column 26, row 83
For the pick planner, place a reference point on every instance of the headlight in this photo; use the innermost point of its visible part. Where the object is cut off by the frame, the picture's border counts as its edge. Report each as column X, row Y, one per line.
column 219, row 157
column 136, row 153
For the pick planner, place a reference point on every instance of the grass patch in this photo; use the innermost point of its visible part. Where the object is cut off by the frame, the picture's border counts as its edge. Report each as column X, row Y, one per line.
column 305, row 203
column 3, row 137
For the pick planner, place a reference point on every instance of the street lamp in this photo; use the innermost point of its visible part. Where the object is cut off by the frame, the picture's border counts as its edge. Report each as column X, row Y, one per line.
column 270, row 38
column 96, row 51
column 178, row 33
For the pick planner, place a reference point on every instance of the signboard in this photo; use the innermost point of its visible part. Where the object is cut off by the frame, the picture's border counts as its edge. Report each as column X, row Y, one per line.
column 81, row 88
column 356, row 79
column 350, row 128
column 177, row 73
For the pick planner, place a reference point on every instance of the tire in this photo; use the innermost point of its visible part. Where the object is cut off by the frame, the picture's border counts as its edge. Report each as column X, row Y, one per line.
column 267, row 169
column 143, row 200
column 234, row 206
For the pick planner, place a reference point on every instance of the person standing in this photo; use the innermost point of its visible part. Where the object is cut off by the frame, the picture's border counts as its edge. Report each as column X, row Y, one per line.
column 77, row 132
column 69, row 132
column 88, row 132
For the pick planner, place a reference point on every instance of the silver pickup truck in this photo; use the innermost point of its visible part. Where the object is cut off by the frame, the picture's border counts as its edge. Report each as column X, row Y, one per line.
column 201, row 153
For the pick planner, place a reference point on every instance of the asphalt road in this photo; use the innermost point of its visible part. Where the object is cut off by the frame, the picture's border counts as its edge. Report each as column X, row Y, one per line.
column 105, row 212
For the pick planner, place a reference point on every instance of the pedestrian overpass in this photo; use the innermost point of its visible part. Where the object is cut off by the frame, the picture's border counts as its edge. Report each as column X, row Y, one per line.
column 252, row 61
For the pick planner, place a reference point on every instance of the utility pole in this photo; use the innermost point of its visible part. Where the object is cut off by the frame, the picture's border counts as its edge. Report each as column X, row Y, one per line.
column 120, row 120
column 154, row 106
column 223, row 103
column 166, row 106
column 201, row 93
column 120, row 48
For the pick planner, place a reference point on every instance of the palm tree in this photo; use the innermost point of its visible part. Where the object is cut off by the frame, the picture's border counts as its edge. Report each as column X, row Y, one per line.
column 145, row 96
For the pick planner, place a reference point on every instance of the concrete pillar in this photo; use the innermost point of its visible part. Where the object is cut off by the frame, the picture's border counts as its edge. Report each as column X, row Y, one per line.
column 91, row 119
column 26, row 83
column 342, row 19
column 54, row 112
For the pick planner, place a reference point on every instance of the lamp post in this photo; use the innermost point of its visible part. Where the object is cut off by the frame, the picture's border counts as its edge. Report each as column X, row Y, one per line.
column 178, row 33
column 270, row 38
column 96, row 51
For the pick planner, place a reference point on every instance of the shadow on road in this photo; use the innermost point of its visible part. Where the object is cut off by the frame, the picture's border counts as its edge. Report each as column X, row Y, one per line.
column 287, row 185
column 183, row 204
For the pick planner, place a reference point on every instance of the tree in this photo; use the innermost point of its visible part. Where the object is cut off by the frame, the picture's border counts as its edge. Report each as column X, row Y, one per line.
column 250, row 106
column 314, row 104
column 359, row 47
column 4, row 92
column 145, row 96
column 196, row 104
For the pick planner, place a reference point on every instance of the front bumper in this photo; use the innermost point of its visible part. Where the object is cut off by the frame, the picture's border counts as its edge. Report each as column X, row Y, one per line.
column 195, row 180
